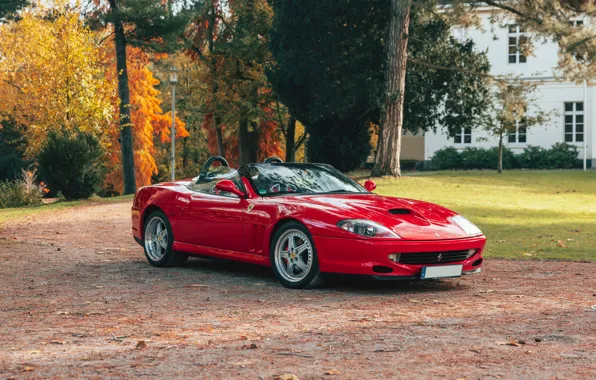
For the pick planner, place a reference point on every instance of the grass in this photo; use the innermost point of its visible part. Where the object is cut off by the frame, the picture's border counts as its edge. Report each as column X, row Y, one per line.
column 524, row 214
column 8, row 214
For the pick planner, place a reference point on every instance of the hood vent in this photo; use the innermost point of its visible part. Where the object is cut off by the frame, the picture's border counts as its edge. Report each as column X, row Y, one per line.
column 399, row 211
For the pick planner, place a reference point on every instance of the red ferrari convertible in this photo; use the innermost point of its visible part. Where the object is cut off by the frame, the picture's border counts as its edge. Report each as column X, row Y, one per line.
column 303, row 220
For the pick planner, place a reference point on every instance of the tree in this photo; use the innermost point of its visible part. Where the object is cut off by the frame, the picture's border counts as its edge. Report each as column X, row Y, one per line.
column 208, row 30
column 146, row 23
column 447, row 82
column 191, row 92
column 149, row 123
column 55, row 81
column 512, row 111
column 233, row 45
column 390, row 133
column 327, row 72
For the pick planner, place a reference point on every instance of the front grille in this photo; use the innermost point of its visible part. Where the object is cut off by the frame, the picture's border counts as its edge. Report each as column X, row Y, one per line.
column 433, row 257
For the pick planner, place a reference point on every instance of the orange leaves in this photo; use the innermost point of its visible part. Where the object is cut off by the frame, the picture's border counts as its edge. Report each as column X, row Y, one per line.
column 148, row 120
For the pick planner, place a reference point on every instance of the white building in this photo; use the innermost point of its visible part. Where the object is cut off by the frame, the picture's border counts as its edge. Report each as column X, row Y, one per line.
column 574, row 119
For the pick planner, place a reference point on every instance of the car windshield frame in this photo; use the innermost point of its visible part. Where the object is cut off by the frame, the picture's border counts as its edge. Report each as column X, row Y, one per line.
column 246, row 171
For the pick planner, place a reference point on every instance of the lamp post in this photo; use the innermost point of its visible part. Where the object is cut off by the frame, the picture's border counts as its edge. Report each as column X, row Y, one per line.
column 173, row 81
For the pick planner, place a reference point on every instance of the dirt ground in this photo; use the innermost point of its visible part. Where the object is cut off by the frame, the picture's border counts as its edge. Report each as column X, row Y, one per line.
column 80, row 300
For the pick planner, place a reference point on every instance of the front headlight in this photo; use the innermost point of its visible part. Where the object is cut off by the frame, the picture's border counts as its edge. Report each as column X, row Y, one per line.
column 367, row 228
column 468, row 227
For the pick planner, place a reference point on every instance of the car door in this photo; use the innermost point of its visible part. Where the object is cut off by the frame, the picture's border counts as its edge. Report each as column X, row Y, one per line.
column 212, row 219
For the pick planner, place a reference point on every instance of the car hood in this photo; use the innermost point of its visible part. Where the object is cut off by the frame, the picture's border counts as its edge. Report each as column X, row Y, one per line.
column 410, row 219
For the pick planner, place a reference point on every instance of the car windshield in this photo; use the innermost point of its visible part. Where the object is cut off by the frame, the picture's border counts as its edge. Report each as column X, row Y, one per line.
column 278, row 179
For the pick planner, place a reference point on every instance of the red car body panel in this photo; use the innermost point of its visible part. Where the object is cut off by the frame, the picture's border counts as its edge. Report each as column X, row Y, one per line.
column 242, row 228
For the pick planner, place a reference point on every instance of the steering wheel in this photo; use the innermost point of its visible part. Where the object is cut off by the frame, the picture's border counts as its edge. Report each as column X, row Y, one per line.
column 273, row 160
column 210, row 161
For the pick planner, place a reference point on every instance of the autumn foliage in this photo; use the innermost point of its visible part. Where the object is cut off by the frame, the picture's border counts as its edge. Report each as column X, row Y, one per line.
column 51, row 76
column 149, row 121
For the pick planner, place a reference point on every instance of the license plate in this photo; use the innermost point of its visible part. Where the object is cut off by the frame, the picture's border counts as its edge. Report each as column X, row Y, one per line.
column 441, row 271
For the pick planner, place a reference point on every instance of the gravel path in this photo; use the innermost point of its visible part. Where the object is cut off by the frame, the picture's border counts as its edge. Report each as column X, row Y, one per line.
column 80, row 300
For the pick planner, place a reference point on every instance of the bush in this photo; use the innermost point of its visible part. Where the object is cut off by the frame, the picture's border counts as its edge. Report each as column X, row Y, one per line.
column 477, row 158
column 534, row 157
column 563, row 156
column 559, row 156
column 22, row 191
column 447, row 158
column 72, row 165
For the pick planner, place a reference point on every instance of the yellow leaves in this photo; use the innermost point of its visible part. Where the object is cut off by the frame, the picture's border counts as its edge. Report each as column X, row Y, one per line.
column 51, row 76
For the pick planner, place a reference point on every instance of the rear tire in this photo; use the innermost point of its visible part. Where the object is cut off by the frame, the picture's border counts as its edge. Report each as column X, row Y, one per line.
column 294, row 257
column 158, row 241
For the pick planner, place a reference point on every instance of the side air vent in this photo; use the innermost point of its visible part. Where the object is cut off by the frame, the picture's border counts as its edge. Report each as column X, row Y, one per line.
column 399, row 211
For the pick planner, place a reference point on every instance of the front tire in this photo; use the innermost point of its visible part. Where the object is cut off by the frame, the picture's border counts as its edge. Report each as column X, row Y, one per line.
column 294, row 257
column 158, row 240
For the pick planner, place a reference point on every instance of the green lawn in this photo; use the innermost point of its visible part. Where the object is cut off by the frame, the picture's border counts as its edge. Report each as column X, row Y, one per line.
column 524, row 214
column 7, row 214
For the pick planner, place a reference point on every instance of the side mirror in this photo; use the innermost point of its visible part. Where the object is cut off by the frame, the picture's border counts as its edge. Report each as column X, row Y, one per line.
column 370, row 185
column 229, row 187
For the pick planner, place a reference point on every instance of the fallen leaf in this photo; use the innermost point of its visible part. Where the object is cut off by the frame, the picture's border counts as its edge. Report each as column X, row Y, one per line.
column 485, row 291
column 286, row 376
column 251, row 346
column 141, row 344
column 28, row 368
column 560, row 243
column 243, row 363
column 570, row 239
column 508, row 343
column 476, row 351
column 527, row 254
column 196, row 286
column 332, row 372
column 56, row 342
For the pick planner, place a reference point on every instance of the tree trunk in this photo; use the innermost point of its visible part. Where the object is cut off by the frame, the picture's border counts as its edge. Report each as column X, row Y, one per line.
column 390, row 133
column 500, row 165
column 243, row 142
column 247, row 142
column 221, row 151
column 290, row 140
column 128, row 165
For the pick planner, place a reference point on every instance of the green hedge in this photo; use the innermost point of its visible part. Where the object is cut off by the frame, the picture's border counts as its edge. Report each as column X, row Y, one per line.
column 559, row 156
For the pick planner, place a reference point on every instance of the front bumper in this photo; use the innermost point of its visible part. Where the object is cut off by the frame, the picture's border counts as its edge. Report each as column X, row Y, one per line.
column 371, row 257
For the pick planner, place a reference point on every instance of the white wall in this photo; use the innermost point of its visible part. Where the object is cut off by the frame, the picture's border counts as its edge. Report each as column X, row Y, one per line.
column 551, row 94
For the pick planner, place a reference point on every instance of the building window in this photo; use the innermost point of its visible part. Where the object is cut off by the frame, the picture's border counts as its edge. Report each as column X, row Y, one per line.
column 574, row 122
column 520, row 134
column 463, row 136
column 517, row 39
